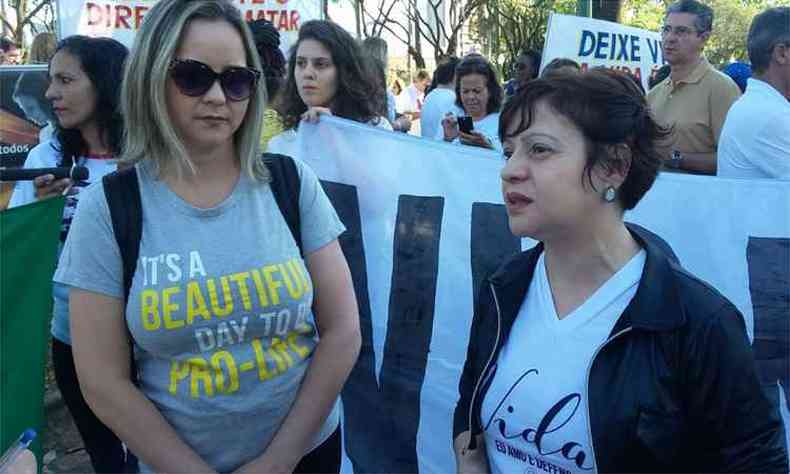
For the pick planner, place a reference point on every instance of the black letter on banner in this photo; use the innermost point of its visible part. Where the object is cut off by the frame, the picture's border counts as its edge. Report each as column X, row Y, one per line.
column 492, row 242
column 769, row 282
column 380, row 424
column 415, row 265
column 360, row 394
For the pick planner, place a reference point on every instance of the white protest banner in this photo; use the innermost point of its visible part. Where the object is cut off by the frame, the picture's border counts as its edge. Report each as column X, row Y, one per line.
column 593, row 43
column 120, row 19
column 426, row 224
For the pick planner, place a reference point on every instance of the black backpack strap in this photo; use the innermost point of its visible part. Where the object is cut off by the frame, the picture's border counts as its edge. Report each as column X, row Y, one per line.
column 122, row 192
column 126, row 210
column 286, row 186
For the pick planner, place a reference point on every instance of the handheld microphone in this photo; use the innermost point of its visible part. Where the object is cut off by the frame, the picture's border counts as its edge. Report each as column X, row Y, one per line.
column 76, row 173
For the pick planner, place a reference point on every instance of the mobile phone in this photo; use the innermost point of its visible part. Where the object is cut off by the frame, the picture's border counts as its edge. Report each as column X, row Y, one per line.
column 465, row 124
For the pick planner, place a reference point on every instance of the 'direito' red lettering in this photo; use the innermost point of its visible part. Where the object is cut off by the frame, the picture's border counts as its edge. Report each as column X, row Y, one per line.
column 115, row 16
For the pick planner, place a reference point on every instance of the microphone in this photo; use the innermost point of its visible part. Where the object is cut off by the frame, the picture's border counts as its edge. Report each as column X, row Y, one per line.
column 76, row 173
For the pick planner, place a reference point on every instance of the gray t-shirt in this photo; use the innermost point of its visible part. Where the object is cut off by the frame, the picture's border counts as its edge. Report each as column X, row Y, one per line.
column 219, row 308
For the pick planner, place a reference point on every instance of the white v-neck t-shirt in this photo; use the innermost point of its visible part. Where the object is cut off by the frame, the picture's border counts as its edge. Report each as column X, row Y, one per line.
column 535, row 415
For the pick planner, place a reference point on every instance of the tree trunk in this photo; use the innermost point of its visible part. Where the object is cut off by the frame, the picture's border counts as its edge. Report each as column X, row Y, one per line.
column 607, row 10
column 419, row 60
column 358, row 17
column 21, row 13
column 2, row 12
column 452, row 46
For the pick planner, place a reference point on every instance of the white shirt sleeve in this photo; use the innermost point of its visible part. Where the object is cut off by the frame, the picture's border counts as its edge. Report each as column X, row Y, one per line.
column 770, row 150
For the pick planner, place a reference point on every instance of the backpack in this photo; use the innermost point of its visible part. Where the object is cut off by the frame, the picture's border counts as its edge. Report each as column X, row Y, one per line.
column 122, row 191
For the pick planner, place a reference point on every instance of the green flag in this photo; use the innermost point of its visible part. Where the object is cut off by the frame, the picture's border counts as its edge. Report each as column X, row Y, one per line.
column 28, row 251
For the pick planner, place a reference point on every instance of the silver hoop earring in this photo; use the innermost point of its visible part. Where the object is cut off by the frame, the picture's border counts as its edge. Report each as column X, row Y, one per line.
column 609, row 194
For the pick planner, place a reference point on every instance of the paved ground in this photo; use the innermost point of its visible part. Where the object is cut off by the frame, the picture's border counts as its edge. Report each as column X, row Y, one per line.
column 63, row 450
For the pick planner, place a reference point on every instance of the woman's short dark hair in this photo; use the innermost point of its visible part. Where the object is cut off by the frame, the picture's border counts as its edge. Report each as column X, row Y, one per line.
column 102, row 60
column 609, row 110
column 359, row 96
column 557, row 64
column 444, row 73
column 267, row 42
column 477, row 64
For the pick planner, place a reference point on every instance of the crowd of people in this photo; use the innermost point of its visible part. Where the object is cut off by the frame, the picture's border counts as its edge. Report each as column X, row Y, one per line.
column 180, row 346
column 40, row 52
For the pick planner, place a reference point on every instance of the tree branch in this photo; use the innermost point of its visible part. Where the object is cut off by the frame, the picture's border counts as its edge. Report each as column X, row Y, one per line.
column 33, row 13
column 8, row 25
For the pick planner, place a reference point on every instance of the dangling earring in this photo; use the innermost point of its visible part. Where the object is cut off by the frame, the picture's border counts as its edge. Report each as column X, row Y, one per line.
column 609, row 194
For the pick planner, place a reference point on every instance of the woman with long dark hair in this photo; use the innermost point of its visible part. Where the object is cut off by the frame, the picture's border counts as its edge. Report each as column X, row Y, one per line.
column 85, row 79
column 328, row 74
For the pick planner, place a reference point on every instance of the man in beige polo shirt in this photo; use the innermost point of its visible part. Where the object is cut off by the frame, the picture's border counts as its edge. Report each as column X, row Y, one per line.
column 695, row 98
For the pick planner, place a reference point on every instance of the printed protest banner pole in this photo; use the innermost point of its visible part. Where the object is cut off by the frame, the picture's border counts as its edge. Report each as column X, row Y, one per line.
column 28, row 251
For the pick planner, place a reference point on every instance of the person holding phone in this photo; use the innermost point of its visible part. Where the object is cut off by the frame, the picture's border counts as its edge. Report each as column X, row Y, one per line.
column 478, row 93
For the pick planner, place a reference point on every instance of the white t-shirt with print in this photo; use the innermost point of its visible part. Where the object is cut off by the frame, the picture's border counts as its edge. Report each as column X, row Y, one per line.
column 220, row 307
column 541, row 377
column 46, row 155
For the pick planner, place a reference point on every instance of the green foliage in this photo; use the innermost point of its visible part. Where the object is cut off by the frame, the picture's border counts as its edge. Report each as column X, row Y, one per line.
column 645, row 14
column 507, row 27
column 730, row 29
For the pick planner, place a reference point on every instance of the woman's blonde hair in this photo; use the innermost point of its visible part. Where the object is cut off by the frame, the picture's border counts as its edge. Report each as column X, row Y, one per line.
column 42, row 49
column 149, row 133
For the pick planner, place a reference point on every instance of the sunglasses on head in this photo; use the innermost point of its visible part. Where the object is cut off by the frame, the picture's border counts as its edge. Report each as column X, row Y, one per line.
column 194, row 78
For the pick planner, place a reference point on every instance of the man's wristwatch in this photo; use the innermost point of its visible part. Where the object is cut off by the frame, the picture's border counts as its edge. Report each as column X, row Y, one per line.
column 675, row 160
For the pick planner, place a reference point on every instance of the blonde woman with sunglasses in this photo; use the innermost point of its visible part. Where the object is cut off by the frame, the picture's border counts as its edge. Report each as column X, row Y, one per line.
column 223, row 312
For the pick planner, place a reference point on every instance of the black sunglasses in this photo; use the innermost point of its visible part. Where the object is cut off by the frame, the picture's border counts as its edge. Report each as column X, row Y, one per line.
column 194, row 78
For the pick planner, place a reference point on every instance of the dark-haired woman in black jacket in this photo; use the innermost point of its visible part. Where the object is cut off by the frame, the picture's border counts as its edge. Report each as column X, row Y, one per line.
column 595, row 351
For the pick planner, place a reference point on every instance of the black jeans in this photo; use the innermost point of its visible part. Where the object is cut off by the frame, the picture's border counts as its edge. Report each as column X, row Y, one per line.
column 324, row 459
column 104, row 448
